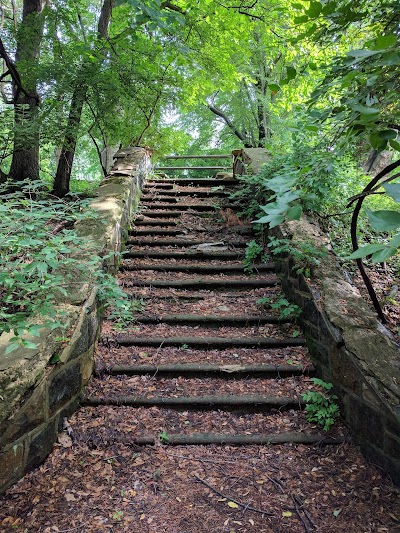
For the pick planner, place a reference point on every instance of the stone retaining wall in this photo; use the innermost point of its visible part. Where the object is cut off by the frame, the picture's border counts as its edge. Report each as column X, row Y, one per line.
column 350, row 349
column 35, row 397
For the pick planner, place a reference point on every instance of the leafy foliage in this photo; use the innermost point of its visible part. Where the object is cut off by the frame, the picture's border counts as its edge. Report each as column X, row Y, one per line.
column 39, row 263
column 253, row 252
column 321, row 407
column 305, row 254
column 286, row 308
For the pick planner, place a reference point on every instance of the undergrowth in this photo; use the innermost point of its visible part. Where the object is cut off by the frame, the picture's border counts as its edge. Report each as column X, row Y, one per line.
column 40, row 260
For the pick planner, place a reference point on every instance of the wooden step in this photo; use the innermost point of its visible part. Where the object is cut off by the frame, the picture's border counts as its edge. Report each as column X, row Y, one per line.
column 197, row 269
column 179, row 207
column 261, row 439
column 203, row 284
column 194, row 255
column 176, row 242
column 214, row 320
column 161, row 223
column 256, row 402
column 208, row 342
column 176, row 193
column 231, row 371
column 155, row 232
column 203, row 182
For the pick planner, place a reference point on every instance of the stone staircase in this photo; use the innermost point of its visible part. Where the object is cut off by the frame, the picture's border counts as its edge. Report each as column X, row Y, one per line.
column 202, row 363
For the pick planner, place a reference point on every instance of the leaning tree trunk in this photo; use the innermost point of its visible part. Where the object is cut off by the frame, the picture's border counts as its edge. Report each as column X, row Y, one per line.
column 25, row 160
column 65, row 163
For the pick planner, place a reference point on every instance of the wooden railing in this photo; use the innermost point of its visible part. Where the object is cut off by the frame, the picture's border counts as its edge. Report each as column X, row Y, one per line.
column 203, row 156
column 243, row 161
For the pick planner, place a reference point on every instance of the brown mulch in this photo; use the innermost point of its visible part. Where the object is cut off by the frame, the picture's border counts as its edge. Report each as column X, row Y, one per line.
column 108, row 354
column 149, row 387
column 281, row 331
column 92, row 488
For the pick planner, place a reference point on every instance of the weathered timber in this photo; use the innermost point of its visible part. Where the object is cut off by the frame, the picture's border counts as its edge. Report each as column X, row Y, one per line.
column 203, row 284
column 176, row 193
column 214, row 320
column 167, row 214
column 201, row 402
column 155, row 232
column 217, row 169
column 208, row 156
column 159, row 185
column 197, row 269
column 194, row 181
column 180, row 207
column 235, row 440
column 167, row 199
column 175, row 242
column 206, row 370
column 186, row 255
column 210, row 342
column 162, row 223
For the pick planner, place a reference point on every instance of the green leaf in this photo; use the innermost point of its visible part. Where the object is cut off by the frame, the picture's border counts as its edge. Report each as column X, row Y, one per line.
column 11, row 348
column 294, row 213
column 393, row 190
column 384, row 220
column 291, row 73
column 274, row 87
column 385, row 41
column 362, row 53
column 383, row 255
column 363, row 251
column 395, row 241
column 387, row 134
column 315, row 9
column 395, row 145
column 300, row 20
column 364, row 110
column 377, row 142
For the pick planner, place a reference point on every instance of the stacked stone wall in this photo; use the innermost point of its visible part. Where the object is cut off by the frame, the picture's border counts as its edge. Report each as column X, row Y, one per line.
column 35, row 395
column 349, row 347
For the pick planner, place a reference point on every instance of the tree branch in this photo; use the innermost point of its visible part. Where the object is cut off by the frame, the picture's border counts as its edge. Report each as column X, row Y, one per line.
column 229, row 123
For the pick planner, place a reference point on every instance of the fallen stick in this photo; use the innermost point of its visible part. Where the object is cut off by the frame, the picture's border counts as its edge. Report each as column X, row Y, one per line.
column 245, row 506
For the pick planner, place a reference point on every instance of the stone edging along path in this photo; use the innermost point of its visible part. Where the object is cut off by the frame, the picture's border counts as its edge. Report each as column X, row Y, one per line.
column 35, row 397
column 350, row 348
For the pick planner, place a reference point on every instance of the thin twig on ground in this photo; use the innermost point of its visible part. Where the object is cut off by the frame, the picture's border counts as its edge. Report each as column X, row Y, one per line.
column 245, row 506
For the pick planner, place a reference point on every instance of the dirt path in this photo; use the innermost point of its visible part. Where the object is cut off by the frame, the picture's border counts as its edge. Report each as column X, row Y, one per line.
column 194, row 419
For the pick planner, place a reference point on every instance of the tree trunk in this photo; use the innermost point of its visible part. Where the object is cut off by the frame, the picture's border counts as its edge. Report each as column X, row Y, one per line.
column 66, row 159
column 64, row 168
column 25, row 160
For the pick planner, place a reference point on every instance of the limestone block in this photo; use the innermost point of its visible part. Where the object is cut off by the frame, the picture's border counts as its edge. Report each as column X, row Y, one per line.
column 41, row 444
column 32, row 414
column 11, row 465
column 63, row 385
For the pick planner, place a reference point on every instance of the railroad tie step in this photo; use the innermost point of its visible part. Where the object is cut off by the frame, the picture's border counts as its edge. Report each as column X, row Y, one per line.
column 196, row 255
column 231, row 440
column 198, row 269
column 229, row 371
column 178, row 193
column 214, row 320
column 161, row 223
column 174, row 242
column 180, row 207
column 253, row 401
column 209, row 342
column 204, row 284
column 206, row 182
column 168, row 213
column 155, row 232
